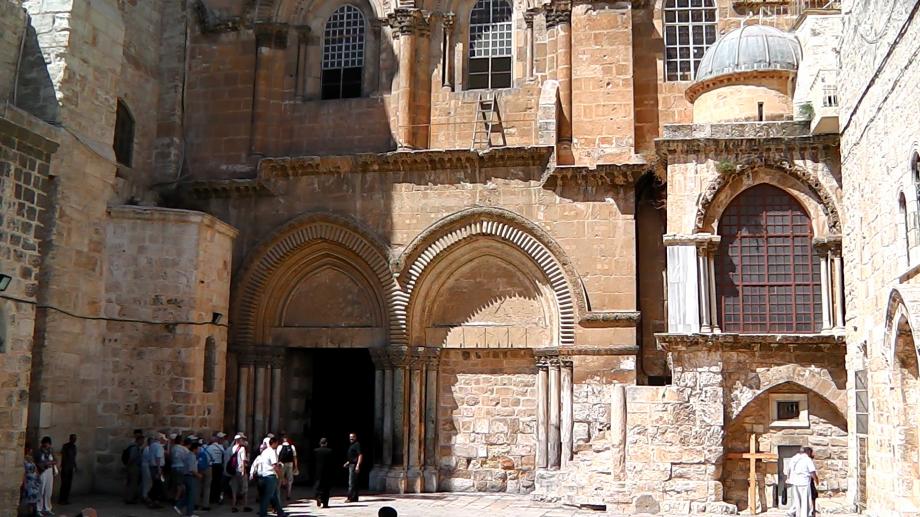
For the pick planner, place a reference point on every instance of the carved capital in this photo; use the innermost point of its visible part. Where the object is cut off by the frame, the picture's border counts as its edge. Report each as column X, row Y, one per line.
column 410, row 21
column 447, row 20
column 398, row 356
column 380, row 358
column 271, row 34
column 558, row 12
column 529, row 15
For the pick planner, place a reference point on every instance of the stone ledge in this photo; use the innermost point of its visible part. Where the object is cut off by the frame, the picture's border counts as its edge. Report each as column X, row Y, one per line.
column 172, row 215
column 782, row 129
column 570, row 351
column 610, row 319
column 751, row 342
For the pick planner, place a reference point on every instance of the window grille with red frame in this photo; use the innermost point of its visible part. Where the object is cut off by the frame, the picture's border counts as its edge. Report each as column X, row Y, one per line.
column 769, row 276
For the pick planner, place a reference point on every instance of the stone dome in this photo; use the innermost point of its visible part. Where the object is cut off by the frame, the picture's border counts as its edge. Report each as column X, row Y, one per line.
column 750, row 48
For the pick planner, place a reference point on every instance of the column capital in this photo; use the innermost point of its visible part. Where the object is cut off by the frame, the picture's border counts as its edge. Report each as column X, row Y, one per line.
column 405, row 21
column 432, row 356
column 529, row 16
column 271, row 34
column 447, row 20
column 380, row 358
column 831, row 244
column 558, row 12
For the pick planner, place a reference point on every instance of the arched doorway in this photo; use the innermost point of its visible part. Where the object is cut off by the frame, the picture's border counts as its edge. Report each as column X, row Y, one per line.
column 906, row 382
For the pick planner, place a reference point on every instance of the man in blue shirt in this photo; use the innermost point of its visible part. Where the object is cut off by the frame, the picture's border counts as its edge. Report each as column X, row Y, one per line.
column 190, row 477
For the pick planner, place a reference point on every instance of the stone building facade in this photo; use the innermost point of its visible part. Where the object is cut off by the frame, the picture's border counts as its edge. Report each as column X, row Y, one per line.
column 283, row 215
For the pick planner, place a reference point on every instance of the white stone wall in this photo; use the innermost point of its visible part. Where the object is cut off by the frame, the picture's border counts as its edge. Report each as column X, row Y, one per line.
column 880, row 129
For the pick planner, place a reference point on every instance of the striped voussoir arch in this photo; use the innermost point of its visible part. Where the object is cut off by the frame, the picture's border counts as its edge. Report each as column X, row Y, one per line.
column 295, row 236
column 522, row 240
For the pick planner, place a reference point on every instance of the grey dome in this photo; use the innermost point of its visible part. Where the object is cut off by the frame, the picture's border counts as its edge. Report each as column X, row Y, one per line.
column 753, row 47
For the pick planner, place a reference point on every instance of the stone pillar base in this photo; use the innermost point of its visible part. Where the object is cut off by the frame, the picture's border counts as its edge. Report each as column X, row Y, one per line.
column 396, row 481
column 430, row 475
column 414, row 481
column 377, row 479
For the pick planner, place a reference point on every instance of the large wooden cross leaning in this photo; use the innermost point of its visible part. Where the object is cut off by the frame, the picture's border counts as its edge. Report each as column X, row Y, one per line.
column 753, row 456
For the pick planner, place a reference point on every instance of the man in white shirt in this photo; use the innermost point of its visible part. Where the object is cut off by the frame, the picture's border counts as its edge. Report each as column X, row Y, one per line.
column 799, row 471
column 265, row 470
column 236, row 467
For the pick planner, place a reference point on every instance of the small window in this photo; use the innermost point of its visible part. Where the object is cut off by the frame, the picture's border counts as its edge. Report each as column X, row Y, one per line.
column 689, row 29
column 210, row 364
column 787, row 410
column 124, row 135
column 862, row 402
column 343, row 53
column 490, row 45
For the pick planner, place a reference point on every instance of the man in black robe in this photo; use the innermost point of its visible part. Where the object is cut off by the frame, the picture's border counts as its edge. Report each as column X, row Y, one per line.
column 324, row 472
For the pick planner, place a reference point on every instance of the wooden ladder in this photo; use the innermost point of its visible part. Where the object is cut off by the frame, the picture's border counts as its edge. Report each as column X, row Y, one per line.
column 488, row 120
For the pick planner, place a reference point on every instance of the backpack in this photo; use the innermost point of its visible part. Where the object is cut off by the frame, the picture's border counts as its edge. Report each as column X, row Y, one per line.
column 287, row 454
column 126, row 455
column 232, row 467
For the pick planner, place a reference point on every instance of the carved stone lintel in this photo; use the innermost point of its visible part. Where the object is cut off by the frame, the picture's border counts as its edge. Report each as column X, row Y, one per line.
column 558, row 12
column 410, row 21
column 271, row 35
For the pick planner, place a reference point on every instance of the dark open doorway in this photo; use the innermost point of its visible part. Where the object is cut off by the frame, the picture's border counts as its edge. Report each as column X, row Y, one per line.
column 338, row 399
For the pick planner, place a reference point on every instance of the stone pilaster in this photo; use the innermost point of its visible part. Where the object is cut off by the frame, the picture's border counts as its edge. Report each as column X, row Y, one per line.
column 559, row 20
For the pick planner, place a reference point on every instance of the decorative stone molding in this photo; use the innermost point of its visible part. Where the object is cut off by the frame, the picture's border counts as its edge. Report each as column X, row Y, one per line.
column 272, row 253
column 406, row 21
column 222, row 189
column 692, row 138
column 607, row 175
column 743, row 78
column 751, row 343
column 558, row 12
column 509, row 228
column 808, row 178
column 610, row 319
column 829, row 244
column 574, row 351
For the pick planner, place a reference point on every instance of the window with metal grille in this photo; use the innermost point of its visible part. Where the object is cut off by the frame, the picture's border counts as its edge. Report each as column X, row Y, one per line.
column 787, row 410
column 490, row 45
column 689, row 29
column 124, row 135
column 862, row 402
column 768, row 275
column 343, row 53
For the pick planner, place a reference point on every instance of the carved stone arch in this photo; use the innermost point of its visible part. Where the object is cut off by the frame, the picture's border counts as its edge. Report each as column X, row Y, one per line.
column 900, row 302
column 269, row 257
column 313, row 13
column 818, row 381
column 715, row 194
column 506, row 227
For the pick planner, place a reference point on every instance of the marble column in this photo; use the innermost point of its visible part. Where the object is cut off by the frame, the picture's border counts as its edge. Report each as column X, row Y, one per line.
column 377, row 476
column 618, row 432
column 396, row 478
column 276, row 381
column 415, row 413
column 386, row 456
column 542, row 419
column 713, row 302
column 528, row 45
column 559, row 18
column 447, row 23
column 553, row 437
column 703, row 279
column 259, row 423
column 567, row 421
column 430, row 473
column 838, row 291
column 244, row 373
column 825, row 291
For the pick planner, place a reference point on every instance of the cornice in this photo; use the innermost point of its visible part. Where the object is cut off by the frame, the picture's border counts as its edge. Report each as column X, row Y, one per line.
column 734, row 138
column 572, row 351
column 752, row 343
column 742, row 77
column 611, row 319
column 602, row 175
column 220, row 189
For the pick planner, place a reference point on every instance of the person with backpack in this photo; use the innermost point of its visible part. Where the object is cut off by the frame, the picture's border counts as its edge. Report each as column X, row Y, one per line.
column 132, row 458
column 287, row 455
column 204, row 477
column 236, row 470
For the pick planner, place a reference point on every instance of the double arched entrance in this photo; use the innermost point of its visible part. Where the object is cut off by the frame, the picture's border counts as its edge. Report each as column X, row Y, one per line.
column 428, row 356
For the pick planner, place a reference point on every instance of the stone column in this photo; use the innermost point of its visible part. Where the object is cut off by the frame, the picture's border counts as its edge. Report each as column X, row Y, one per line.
column 703, row 279
column 542, row 419
column 711, row 265
column 414, row 461
column 567, row 422
column 825, row 290
column 407, row 24
column 277, row 379
column 259, row 422
column 838, row 290
column 559, row 18
column 377, row 477
column 386, row 456
column 303, row 71
column 448, row 54
column 553, row 438
column 618, row 432
column 430, row 474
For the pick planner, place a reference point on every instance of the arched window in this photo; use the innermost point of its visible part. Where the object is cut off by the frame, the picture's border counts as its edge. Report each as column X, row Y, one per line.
column 769, row 278
column 210, row 364
column 689, row 29
column 490, row 45
column 343, row 53
column 123, row 144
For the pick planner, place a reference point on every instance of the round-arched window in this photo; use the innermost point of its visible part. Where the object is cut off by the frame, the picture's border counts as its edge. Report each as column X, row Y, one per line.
column 769, row 276
column 343, row 53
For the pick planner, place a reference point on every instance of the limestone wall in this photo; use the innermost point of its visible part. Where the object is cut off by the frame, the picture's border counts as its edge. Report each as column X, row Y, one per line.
column 167, row 272
column 12, row 26
column 878, row 138
column 25, row 155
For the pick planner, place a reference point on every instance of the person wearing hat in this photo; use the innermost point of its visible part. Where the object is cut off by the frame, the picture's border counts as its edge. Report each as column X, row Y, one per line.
column 215, row 453
column 237, row 465
column 156, row 462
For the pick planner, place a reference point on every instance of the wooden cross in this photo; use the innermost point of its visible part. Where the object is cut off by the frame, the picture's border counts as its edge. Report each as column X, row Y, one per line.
column 753, row 456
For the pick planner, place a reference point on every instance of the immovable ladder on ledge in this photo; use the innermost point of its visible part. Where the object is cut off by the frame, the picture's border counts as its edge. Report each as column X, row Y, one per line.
column 488, row 120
